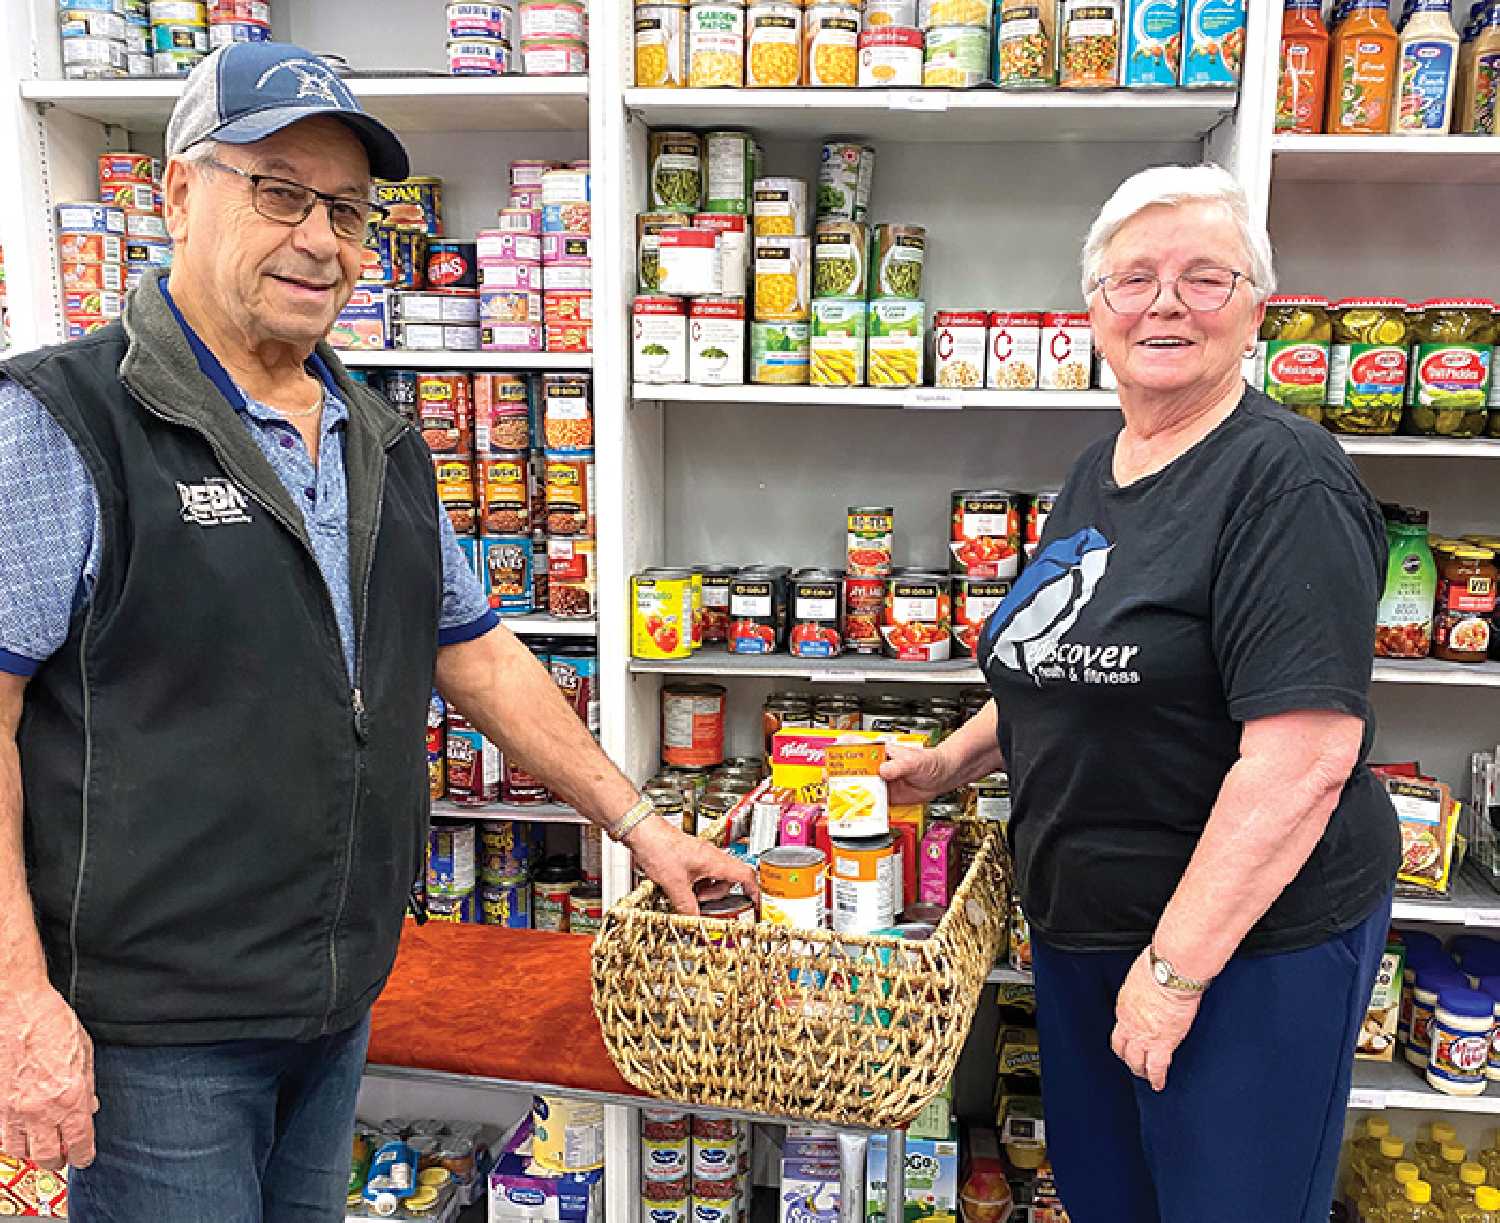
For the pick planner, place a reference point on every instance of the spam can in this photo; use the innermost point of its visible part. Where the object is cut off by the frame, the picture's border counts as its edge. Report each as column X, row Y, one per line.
column 452, row 265
column 506, row 903
column 413, row 203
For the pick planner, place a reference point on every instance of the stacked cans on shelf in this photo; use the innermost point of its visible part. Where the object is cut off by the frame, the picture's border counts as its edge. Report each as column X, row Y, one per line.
column 104, row 39
column 231, row 21
column 132, row 183
column 554, row 37
column 694, row 1166
column 179, row 36
column 481, row 38
column 514, row 461
column 535, row 272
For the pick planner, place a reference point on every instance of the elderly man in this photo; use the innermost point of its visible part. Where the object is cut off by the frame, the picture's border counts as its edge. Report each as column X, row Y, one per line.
column 226, row 590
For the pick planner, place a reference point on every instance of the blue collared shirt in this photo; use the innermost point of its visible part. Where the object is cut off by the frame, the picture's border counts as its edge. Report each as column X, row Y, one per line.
column 50, row 534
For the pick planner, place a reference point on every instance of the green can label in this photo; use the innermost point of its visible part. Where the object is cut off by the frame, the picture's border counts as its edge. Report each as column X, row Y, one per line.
column 1296, row 372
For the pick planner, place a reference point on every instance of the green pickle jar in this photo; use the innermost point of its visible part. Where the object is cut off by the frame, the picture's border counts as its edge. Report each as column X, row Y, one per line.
column 1494, row 403
column 1292, row 356
column 1367, row 371
column 1449, row 383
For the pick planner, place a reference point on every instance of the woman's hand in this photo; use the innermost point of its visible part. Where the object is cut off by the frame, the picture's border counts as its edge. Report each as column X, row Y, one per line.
column 1150, row 1022
column 916, row 774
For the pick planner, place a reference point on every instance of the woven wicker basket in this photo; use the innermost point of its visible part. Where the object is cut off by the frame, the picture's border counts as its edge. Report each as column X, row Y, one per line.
column 833, row 1028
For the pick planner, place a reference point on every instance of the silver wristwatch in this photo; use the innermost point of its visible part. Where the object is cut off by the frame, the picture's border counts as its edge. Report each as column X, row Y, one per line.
column 1167, row 977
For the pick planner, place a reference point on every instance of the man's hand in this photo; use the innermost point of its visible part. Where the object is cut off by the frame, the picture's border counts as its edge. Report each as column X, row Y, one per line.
column 916, row 774
column 687, row 870
column 47, row 1101
column 1150, row 1022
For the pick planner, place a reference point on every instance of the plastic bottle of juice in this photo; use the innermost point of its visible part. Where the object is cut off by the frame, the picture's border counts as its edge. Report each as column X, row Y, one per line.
column 1485, row 1208
column 1426, row 72
column 1302, row 86
column 1362, row 72
column 1415, row 1207
column 1460, row 1193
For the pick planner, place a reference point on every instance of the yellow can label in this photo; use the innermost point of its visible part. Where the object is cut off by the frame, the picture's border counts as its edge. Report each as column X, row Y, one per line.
column 661, row 623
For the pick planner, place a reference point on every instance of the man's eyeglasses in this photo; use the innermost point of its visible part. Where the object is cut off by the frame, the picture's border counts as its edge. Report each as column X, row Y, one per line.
column 1203, row 289
column 289, row 203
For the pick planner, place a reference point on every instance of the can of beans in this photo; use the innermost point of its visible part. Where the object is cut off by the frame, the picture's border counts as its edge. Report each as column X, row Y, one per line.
column 692, row 725
column 502, row 416
column 846, row 173
column 505, row 573
column 675, row 168
column 917, row 623
column 974, row 601
column 445, row 412
column 984, row 540
column 504, row 493
column 898, row 255
column 456, row 491
column 864, row 604
column 567, row 416
column 570, row 495
column 817, row 614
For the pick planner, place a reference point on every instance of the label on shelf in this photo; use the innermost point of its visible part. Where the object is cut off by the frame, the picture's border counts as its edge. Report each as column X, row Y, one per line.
column 1482, row 917
column 918, row 99
column 838, row 675
column 931, row 397
column 1366, row 1097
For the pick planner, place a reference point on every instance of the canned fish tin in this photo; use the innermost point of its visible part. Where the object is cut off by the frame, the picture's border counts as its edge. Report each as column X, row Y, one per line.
column 505, row 573
column 479, row 57
column 505, row 851
column 90, row 218
column 756, row 611
column 176, row 63
column 510, row 306
column 900, row 251
column 984, row 540
column 793, row 887
column 1014, row 344
column 497, row 21
column 716, row 44
column 871, row 540
column 675, row 161
column 146, row 225
column 779, row 353
column 730, row 158
column 94, row 59
column 917, row 623
column 830, row 37
column 864, row 605
column 661, row 46
column 783, row 279
column 1038, row 510
column 773, row 44
column 865, row 882
column 548, row 20
column 974, row 601
column 570, row 495
column 586, row 909
column 149, row 252
column 780, row 207
column 226, row 33
column 890, row 57
column 661, row 615
column 572, row 578
column 817, row 615
column 506, row 903
column 413, row 203
column 450, row 859
column 846, row 174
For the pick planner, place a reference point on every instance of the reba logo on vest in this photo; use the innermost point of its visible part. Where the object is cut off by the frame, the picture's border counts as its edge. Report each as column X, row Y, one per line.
column 216, row 502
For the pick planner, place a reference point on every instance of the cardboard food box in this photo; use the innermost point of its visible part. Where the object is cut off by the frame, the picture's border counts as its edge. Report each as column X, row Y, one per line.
column 798, row 759
column 1377, row 1035
column 809, row 1191
column 931, row 1179
column 1428, row 818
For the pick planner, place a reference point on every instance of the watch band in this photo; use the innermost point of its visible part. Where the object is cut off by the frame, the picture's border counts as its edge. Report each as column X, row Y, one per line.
column 643, row 810
column 1167, row 976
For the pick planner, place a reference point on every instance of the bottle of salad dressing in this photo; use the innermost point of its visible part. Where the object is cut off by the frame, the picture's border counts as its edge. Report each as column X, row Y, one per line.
column 1481, row 78
column 1427, row 71
column 1362, row 79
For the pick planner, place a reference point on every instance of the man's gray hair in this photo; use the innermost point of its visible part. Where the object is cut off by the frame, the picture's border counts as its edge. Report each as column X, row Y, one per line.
column 1171, row 186
column 197, row 154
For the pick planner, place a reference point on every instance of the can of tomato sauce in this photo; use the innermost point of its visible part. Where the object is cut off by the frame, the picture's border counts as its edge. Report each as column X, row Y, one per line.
column 661, row 625
column 985, row 539
column 974, row 601
column 692, row 725
column 716, row 579
column 872, row 537
column 756, row 611
column 817, row 614
column 917, row 623
column 1038, row 510
column 864, row 604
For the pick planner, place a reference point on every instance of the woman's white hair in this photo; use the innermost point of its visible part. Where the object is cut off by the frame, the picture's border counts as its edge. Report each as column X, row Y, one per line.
column 1171, row 186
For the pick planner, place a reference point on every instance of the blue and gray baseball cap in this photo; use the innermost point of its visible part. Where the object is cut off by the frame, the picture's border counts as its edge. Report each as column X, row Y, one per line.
column 247, row 91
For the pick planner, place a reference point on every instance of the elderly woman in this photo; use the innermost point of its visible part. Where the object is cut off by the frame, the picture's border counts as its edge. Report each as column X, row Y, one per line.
column 1180, row 684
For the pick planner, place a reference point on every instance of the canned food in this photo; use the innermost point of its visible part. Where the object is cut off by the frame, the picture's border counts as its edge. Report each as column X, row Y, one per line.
column 505, row 851
column 504, row 493
column 692, row 725
column 984, row 540
column 661, row 46
column 549, row 904
column 957, row 57
column 837, row 713
column 958, row 348
column 81, row 23
column 456, row 491
column 456, row 910
column 469, row 20
column 83, row 247
column 675, row 162
column 890, row 57
column 730, row 157
column 1067, row 345
column 714, row 1160
column 871, row 540
column 505, row 573
column 817, row 615
column 90, row 218
column 437, row 715
column 665, row 1124
column 974, row 601
column 780, row 207
column 793, row 887
column 501, row 415
column 445, row 413
column 783, row 279
column 716, row 579
column 840, row 254
column 1014, row 347
column 472, row 763
column 846, row 173
column 557, row 58
column 570, row 496
column 899, row 254
column 773, row 44
column 779, row 353
column 666, row 1201
column 665, row 1159
column 755, row 612
column 450, row 859
column 586, row 909
column 572, row 578
column 226, row 33
column 452, row 265
column 716, row 44
column 830, row 52
column 412, row 203
column 837, row 355
column 567, row 418
column 881, row 14
column 917, row 623
column 661, row 619
column 865, row 884
column 546, row 20
column 864, row 605
column 506, row 902
column 1037, row 512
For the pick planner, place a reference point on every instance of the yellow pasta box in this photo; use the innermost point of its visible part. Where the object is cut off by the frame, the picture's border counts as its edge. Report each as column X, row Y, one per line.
column 858, row 805
column 896, row 343
column 799, row 757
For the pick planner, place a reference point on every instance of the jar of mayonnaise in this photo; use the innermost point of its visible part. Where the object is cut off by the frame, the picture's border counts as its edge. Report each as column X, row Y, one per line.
column 1462, row 1028
column 1424, row 999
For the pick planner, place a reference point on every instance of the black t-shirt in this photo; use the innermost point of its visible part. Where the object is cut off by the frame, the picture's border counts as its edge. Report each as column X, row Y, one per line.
column 1238, row 582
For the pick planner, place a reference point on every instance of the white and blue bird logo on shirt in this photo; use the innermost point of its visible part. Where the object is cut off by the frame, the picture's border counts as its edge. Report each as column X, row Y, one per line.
column 1046, row 601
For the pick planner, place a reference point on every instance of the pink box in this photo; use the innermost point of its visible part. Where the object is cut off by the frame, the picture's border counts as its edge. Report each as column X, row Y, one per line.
column 512, row 274
column 938, row 877
column 496, row 246
column 797, row 824
column 520, row 220
column 526, row 197
column 511, row 337
column 565, row 248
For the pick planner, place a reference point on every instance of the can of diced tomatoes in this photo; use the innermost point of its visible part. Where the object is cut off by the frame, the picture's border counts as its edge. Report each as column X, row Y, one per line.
column 871, row 538
column 1037, row 512
column 985, row 539
column 692, row 725
column 864, row 604
column 817, row 614
column 661, row 625
column 974, row 601
column 918, row 617
column 756, row 611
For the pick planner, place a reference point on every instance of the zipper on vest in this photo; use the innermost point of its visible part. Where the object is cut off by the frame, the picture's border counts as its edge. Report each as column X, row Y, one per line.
column 88, row 770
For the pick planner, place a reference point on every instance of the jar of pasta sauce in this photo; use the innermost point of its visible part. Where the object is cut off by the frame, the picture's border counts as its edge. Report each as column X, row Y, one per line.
column 1465, row 604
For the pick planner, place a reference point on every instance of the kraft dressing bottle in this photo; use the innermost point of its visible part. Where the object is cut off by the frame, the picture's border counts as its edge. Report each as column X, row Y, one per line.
column 1427, row 71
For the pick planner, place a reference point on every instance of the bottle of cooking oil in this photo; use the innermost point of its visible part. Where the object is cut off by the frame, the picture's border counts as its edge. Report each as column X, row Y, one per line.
column 1379, row 1198
column 1485, row 1208
column 1428, row 1148
column 1490, row 1158
column 1460, row 1192
column 1414, row 1207
column 1443, row 1175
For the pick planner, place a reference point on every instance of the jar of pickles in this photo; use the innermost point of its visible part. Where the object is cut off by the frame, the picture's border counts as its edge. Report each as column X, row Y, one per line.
column 1367, row 369
column 1449, row 382
column 1292, row 357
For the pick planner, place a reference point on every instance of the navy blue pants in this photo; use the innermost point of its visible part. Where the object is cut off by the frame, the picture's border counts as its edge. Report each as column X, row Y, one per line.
column 248, row 1131
column 1249, row 1126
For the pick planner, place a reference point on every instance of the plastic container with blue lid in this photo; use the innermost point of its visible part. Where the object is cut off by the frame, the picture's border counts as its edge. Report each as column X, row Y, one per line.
column 1463, row 1027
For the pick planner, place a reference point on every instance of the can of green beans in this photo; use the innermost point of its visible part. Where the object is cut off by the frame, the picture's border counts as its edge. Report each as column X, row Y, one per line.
column 730, row 160
column 897, row 255
column 840, row 249
column 675, row 162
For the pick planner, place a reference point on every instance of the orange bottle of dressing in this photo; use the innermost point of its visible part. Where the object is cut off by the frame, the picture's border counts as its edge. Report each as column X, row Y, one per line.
column 1303, row 82
column 1363, row 71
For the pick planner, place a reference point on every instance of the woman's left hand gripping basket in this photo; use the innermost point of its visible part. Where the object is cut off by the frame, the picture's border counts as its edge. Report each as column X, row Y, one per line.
column 808, row 1024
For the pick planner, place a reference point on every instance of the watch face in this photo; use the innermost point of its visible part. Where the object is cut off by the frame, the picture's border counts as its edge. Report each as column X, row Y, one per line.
column 1162, row 971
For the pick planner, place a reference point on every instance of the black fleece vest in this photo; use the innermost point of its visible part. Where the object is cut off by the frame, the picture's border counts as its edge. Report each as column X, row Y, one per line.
column 221, row 832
